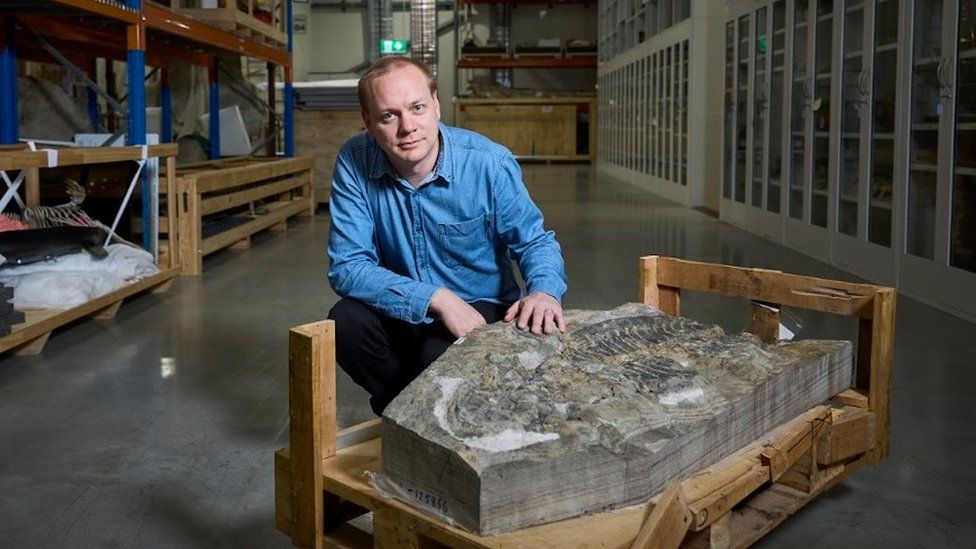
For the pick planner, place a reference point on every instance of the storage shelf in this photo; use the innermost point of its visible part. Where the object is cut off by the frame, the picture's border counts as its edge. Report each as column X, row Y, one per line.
column 918, row 166
column 40, row 323
column 970, row 172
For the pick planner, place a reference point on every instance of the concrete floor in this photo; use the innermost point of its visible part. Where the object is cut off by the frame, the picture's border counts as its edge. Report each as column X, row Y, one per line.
column 157, row 429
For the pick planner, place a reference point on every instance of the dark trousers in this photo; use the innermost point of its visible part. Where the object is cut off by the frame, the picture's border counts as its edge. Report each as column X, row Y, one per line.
column 383, row 355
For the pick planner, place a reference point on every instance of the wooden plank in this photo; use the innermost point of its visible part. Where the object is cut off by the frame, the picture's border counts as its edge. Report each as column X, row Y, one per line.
column 29, row 331
column 852, row 432
column 367, row 430
column 228, row 178
column 770, row 286
column 306, row 365
column 172, row 214
column 651, row 292
column 34, row 346
column 108, row 313
column 667, row 524
column 714, row 491
column 852, row 397
column 191, row 230
column 882, row 363
column 242, row 244
column 764, row 321
column 223, row 202
column 278, row 212
column 22, row 159
column 32, row 187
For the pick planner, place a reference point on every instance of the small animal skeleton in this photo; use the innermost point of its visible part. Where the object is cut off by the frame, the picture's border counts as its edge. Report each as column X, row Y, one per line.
column 63, row 215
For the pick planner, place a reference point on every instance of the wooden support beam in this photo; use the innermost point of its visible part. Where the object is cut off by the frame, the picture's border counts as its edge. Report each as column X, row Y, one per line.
column 34, row 346
column 108, row 313
column 852, row 432
column 667, row 523
column 242, row 244
column 764, row 321
column 651, row 292
column 312, row 415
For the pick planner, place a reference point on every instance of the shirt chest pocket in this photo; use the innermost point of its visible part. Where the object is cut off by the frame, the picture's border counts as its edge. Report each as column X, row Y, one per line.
column 466, row 242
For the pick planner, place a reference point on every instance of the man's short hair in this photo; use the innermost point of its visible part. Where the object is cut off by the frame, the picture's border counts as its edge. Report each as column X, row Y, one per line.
column 384, row 66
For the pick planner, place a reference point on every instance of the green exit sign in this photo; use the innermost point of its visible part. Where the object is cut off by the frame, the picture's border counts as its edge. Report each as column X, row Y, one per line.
column 393, row 47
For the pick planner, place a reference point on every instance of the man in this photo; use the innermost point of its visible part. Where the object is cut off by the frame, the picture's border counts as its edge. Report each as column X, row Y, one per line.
column 424, row 220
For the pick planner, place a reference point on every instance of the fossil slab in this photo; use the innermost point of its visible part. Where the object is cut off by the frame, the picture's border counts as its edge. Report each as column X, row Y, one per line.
column 507, row 430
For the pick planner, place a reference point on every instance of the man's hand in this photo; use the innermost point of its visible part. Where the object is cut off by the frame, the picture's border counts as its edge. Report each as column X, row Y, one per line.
column 540, row 311
column 459, row 317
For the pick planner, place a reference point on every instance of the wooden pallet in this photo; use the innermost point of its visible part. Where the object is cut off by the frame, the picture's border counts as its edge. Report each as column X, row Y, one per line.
column 240, row 19
column 320, row 480
column 30, row 337
column 282, row 187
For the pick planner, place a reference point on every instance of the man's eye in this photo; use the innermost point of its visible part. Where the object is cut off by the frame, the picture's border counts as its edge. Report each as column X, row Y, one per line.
column 418, row 108
column 387, row 116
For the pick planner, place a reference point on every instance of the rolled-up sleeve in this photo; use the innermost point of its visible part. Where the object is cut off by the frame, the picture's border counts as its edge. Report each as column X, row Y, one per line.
column 519, row 225
column 354, row 267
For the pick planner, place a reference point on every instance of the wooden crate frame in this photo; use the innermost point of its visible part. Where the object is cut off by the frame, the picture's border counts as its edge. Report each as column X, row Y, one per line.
column 587, row 102
column 213, row 187
column 30, row 337
column 320, row 482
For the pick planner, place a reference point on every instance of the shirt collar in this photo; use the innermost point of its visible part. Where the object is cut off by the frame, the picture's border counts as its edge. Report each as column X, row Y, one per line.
column 443, row 169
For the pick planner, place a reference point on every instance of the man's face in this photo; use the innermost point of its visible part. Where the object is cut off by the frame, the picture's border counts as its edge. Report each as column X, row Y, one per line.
column 402, row 117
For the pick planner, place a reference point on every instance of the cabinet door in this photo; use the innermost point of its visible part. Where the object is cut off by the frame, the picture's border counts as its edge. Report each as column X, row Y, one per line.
column 799, row 103
column 760, row 106
column 962, row 243
column 729, row 102
column 742, row 110
column 854, row 114
column 883, row 100
column 776, row 93
column 823, row 69
column 927, row 107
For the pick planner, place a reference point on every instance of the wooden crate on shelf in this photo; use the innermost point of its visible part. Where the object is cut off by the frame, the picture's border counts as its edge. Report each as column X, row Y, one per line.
column 30, row 336
column 278, row 188
column 532, row 128
column 320, row 134
column 244, row 18
column 321, row 483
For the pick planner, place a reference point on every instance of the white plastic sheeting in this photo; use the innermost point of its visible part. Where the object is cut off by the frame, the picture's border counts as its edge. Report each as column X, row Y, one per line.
column 74, row 279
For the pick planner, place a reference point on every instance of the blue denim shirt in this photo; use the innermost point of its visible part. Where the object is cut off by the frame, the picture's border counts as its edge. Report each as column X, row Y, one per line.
column 392, row 245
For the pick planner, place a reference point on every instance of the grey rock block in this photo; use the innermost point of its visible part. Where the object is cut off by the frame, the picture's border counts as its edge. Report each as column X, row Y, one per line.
column 508, row 430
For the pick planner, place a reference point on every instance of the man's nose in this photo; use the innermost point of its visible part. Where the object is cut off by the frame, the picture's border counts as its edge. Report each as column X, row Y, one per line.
column 407, row 125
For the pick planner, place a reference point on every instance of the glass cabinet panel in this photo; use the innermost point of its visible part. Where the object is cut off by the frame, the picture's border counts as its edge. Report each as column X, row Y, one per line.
column 963, row 244
column 729, row 101
column 775, row 153
column 926, row 110
column 852, row 106
column 883, row 122
column 821, row 112
column 742, row 113
column 684, row 112
column 759, row 110
column 798, row 109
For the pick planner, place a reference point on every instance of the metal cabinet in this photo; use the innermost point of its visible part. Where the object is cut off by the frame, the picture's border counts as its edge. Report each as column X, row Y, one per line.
column 938, row 259
column 850, row 135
